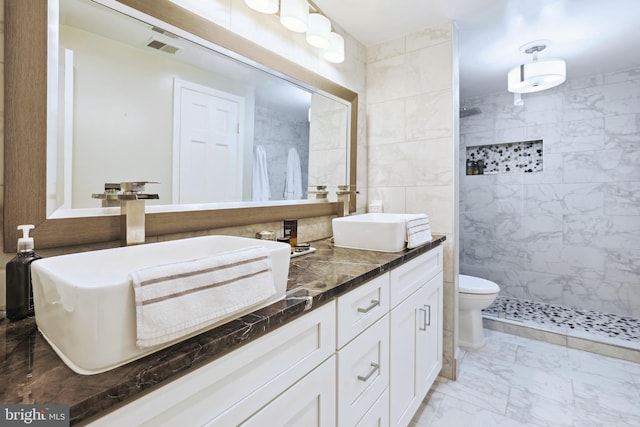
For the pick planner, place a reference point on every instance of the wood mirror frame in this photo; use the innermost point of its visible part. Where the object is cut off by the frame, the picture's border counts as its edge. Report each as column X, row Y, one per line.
column 25, row 141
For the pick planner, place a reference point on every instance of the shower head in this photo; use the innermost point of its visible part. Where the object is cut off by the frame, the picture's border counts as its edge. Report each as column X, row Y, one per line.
column 466, row 112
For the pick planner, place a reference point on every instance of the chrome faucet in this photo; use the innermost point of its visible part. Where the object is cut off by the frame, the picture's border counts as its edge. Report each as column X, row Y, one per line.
column 130, row 196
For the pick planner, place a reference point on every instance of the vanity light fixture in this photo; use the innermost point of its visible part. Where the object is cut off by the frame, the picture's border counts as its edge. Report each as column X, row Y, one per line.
column 537, row 75
column 319, row 30
column 263, row 6
column 335, row 52
column 294, row 15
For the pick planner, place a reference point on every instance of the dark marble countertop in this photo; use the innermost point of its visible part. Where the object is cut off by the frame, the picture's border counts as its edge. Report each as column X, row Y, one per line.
column 33, row 373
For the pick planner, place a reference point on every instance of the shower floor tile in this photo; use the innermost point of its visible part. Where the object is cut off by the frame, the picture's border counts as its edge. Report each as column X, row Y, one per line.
column 593, row 325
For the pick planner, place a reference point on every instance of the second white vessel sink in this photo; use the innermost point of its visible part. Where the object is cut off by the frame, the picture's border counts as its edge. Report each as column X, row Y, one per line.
column 85, row 303
column 384, row 232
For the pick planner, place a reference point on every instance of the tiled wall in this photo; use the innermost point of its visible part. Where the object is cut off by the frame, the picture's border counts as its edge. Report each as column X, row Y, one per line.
column 411, row 96
column 571, row 233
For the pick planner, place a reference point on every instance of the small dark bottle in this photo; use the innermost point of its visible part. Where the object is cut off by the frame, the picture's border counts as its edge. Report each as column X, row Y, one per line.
column 19, row 290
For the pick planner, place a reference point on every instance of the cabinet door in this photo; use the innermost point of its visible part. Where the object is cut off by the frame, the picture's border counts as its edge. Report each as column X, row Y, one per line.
column 429, row 340
column 308, row 403
column 416, row 350
column 403, row 384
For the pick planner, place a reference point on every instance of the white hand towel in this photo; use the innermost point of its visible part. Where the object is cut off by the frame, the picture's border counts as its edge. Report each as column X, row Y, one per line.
column 293, row 181
column 418, row 231
column 174, row 300
column 261, row 190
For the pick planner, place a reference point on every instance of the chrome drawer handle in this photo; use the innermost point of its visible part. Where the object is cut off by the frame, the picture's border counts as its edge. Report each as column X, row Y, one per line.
column 374, row 304
column 426, row 320
column 375, row 367
column 427, row 317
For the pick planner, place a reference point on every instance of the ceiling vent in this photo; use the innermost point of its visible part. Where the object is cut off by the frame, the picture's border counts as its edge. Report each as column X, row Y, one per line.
column 162, row 45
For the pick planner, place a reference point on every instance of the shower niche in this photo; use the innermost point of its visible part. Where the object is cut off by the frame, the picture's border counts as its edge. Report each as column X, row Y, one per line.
column 510, row 157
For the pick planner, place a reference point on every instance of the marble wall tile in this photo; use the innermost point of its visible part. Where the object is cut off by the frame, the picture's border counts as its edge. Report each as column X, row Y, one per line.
column 393, row 198
column 429, row 69
column 565, row 198
column 622, row 198
column 581, row 135
column 583, row 103
column 429, row 115
column 571, row 260
column 496, row 255
column 387, row 79
column 621, row 98
column 602, row 166
column 610, row 231
column 388, row 49
column 544, row 286
column 622, row 265
column 474, row 138
column 412, row 163
column 622, row 131
column 542, row 228
column 389, row 119
column 510, row 135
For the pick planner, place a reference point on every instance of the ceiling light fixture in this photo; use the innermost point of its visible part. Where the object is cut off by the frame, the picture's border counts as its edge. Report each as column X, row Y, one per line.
column 335, row 52
column 263, row 6
column 319, row 30
column 294, row 15
column 537, row 75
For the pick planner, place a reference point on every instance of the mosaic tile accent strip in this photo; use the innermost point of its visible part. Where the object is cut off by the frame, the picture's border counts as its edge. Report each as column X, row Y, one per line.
column 557, row 317
column 512, row 157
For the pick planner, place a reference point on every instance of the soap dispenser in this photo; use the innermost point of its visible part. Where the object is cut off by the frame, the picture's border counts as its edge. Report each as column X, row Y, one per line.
column 19, row 291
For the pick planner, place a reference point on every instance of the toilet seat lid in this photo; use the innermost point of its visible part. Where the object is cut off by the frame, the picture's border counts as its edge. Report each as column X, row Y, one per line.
column 476, row 285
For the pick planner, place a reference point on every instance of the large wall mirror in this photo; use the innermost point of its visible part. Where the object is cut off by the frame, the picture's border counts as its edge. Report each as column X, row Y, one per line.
column 131, row 90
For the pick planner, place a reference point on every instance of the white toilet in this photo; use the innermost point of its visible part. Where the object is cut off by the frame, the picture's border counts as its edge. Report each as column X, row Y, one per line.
column 474, row 295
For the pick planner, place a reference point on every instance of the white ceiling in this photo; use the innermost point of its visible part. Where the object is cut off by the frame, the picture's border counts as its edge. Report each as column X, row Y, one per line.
column 593, row 36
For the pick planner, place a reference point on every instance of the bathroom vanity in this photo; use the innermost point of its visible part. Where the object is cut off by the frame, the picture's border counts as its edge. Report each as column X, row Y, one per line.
column 357, row 341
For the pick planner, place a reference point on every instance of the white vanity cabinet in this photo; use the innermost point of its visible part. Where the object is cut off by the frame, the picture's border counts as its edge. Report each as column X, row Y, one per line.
column 415, row 333
column 368, row 358
column 244, row 383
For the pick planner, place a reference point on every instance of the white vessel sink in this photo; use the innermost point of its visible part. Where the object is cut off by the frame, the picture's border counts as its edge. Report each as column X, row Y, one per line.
column 384, row 232
column 85, row 304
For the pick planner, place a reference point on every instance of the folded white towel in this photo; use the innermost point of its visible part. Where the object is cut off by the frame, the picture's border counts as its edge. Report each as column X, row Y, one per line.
column 173, row 300
column 418, row 231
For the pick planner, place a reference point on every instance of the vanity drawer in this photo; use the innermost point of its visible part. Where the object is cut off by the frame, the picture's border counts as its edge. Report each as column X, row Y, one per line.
column 361, row 307
column 363, row 372
column 407, row 278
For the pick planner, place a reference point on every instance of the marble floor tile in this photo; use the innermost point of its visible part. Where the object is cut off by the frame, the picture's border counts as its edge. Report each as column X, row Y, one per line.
column 457, row 412
column 515, row 381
